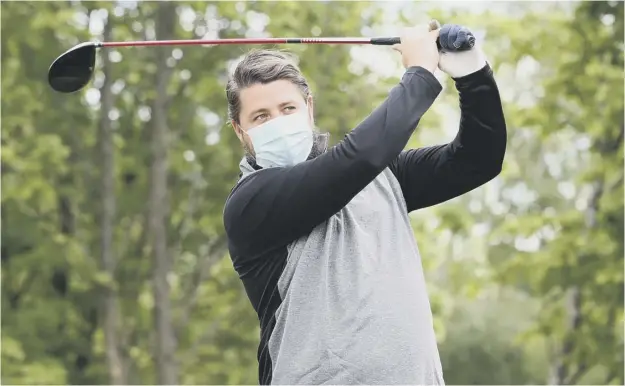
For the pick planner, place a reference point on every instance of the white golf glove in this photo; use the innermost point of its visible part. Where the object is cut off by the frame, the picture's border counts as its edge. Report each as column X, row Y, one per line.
column 453, row 62
column 459, row 64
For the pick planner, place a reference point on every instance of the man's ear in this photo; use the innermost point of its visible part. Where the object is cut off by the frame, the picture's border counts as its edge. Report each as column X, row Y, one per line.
column 311, row 109
column 237, row 129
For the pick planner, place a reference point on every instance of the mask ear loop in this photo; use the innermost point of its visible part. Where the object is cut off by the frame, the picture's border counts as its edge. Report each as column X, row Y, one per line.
column 320, row 140
column 251, row 160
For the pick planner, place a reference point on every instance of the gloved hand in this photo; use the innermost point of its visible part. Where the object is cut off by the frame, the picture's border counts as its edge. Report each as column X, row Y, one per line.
column 458, row 64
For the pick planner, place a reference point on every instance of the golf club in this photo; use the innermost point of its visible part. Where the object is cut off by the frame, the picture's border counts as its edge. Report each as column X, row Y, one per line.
column 73, row 70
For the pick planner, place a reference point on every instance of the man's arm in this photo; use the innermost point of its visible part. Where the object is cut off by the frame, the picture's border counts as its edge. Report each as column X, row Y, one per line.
column 429, row 176
column 275, row 206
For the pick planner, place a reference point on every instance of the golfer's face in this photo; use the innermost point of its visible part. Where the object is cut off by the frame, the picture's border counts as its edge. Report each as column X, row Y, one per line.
column 261, row 103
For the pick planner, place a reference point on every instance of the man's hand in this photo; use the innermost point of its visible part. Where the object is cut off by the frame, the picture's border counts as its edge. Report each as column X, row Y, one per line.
column 418, row 48
column 463, row 63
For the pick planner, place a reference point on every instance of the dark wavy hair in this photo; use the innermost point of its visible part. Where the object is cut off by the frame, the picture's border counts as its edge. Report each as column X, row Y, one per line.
column 263, row 66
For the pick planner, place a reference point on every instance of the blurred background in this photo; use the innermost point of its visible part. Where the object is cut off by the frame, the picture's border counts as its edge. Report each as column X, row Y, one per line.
column 114, row 263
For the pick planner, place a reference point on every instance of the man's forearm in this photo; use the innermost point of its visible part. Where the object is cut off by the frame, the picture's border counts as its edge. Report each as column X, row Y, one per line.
column 481, row 140
column 432, row 175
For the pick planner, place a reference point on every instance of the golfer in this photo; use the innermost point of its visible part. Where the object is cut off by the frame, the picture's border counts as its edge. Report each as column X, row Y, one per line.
column 321, row 238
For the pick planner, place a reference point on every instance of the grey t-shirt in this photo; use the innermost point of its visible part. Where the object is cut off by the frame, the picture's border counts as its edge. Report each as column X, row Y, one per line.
column 326, row 252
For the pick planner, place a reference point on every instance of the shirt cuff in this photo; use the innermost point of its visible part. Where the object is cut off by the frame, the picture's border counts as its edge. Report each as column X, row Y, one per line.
column 430, row 79
column 485, row 71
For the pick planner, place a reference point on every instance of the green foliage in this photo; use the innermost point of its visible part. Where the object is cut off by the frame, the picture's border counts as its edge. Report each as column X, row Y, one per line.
column 483, row 337
column 505, row 263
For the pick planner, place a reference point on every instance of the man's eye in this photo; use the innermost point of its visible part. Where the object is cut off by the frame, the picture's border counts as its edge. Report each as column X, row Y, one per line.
column 260, row 116
column 290, row 107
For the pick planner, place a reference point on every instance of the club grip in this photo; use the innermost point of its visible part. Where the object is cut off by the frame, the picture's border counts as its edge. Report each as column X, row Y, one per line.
column 385, row 41
column 465, row 46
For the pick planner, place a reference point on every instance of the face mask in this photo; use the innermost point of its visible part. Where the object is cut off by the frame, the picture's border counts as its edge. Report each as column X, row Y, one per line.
column 283, row 141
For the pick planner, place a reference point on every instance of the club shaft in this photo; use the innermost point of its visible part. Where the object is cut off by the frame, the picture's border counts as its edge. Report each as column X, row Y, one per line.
column 353, row 40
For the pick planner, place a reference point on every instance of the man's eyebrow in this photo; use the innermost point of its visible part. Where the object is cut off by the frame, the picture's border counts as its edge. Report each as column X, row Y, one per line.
column 262, row 110
column 258, row 111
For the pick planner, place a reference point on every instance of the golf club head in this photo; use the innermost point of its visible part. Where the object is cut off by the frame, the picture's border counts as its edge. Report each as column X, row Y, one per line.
column 72, row 70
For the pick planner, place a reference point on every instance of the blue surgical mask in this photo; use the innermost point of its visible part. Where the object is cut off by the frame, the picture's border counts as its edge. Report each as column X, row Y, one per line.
column 283, row 141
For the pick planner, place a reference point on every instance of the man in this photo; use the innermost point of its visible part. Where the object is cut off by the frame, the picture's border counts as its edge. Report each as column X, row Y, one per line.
column 321, row 238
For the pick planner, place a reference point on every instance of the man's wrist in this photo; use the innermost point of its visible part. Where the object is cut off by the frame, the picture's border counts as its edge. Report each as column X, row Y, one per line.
column 426, row 75
column 427, row 68
column 414, row 68
column 485, row 70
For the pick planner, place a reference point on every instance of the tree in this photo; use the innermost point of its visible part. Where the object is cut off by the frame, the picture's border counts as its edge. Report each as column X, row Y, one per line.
column 158, row 211
column 111, row 312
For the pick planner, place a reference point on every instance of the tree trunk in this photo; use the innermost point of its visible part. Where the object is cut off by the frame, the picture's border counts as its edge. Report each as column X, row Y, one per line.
column 158, row 206
column 562, row 372
column 110, row 304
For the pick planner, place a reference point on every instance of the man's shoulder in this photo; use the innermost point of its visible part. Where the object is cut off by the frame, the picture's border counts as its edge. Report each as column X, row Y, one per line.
column 248, row 184
column 245, row 196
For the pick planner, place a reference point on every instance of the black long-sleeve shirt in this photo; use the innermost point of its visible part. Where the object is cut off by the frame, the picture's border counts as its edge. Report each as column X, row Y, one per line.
column 297, row 235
